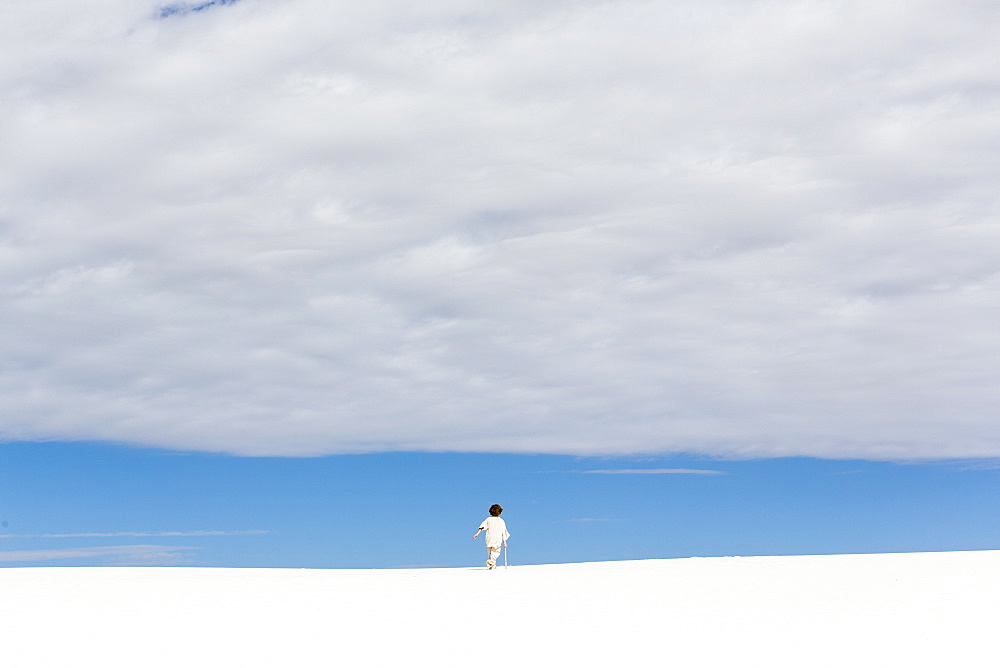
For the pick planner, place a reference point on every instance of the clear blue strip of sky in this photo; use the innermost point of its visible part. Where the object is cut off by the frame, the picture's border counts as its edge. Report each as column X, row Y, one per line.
column 86, row 504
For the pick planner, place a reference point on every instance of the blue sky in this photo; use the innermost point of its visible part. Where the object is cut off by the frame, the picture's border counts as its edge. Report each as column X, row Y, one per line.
column 306, row 262
column 418, row 509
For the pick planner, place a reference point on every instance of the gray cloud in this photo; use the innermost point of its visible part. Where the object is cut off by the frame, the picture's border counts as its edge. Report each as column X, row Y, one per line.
column 581, row 227
column 117, row 555
column 656, row 472
column 140, row 534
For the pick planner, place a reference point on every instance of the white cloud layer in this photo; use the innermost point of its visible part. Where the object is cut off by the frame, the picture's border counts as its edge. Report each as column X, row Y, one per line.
column 306, row 227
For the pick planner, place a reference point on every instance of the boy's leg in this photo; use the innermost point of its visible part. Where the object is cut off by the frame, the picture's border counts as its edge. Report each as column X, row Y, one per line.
column 491, row 557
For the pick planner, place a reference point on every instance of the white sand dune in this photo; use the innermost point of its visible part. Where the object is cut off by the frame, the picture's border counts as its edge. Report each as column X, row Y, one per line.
column 932, row 609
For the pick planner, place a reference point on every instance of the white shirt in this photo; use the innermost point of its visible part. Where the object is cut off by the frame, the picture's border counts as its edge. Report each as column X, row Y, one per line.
column 496, row 531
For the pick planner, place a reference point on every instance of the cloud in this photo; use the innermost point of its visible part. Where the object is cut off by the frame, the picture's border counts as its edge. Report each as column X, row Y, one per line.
column 657, row 472
column 316, row 227
column 140, row 534
column 118, row 555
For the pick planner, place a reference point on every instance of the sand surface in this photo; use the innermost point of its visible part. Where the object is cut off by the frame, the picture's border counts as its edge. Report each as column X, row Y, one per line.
column 934, row 609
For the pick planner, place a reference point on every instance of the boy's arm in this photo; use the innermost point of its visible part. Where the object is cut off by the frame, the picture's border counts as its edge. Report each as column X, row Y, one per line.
column 476, row 535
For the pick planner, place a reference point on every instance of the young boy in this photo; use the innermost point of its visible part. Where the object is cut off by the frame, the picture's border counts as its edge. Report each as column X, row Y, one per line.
column 496, row 535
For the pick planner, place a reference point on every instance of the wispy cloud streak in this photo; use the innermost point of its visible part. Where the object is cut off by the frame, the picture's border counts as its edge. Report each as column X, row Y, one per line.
column 656, row 472
column 122, row 555
column 141, row 534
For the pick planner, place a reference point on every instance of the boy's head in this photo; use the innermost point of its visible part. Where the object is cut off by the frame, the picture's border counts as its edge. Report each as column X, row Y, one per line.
column 495, row 510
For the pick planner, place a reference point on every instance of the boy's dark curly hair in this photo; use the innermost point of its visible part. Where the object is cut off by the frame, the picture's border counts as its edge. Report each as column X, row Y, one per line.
column 495, row 510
